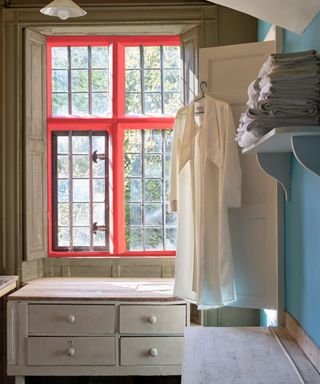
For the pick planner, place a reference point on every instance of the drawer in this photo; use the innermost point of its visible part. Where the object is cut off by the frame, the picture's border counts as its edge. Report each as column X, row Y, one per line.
column 71, row 351
column 61, row 319
column 151, row 350
column 152, row 319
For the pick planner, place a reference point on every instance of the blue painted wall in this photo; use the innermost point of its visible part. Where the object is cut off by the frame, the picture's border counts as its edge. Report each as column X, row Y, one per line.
column 302, row 219
column 263, row 29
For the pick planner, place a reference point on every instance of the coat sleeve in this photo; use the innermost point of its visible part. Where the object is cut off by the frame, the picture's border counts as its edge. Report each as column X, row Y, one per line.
column 231, row 185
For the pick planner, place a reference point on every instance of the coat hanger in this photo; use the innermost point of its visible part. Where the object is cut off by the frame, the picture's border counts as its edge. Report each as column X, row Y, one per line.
column 200, row 110
column 202, row 94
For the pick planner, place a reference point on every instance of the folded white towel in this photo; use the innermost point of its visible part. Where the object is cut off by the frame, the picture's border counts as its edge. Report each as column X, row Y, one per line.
column 287, row 109
column 250, row 132
column 289, row 96
column 292, row 88
column 288, row 62
column 265, row 120
column 247, row 139
column 286, row 93
column 253, row 92
column 294, row 56
column 310, row 79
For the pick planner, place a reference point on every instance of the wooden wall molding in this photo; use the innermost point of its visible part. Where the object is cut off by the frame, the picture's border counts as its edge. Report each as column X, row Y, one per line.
column 10, row 153
column 311, row 350
column 103, row 3
column 31, row 270
column 158, row 267
column 118, row 15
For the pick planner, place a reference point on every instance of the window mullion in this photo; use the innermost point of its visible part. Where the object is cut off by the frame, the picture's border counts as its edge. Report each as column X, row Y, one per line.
column 69, row 81
column 117, row 137
column 90, row 80
column 161, row 79
column 70, row 193
column 143, row 190
column 118, row 83
column 163, row 132
column 91, row 191
column 142, row 79
column 117, row 145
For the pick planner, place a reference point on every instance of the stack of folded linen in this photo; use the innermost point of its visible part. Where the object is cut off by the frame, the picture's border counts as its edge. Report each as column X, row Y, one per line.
column 286, row 93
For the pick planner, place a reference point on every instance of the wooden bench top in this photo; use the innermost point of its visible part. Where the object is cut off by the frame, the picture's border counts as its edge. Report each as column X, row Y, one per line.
column 110, row 289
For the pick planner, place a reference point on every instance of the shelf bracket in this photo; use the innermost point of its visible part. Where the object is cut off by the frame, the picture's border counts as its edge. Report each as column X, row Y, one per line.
column 277, row 165
column 307, row 151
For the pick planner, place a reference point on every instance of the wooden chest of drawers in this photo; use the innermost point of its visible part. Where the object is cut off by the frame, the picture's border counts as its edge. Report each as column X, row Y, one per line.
column 106, row 331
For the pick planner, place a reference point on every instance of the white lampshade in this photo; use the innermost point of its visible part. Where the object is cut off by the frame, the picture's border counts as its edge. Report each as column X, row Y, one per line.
column 63, row 9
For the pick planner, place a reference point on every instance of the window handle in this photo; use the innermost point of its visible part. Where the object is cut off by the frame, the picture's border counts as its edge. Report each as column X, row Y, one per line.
column 98, row 156
column 96, row 228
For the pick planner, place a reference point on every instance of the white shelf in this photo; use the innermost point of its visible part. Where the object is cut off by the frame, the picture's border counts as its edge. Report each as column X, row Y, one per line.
column 274, row 149
column 279, row 139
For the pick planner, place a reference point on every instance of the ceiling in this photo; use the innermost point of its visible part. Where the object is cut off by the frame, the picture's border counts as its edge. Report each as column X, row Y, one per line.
column 294, row 15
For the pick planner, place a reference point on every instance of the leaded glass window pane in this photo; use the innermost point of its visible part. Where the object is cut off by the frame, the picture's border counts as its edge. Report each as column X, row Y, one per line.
column 152, row 82
column 149, row 224
column 81, row 79
column 80, row 182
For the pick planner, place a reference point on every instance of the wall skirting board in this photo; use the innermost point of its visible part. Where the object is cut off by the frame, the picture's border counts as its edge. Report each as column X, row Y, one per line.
column 304, row 341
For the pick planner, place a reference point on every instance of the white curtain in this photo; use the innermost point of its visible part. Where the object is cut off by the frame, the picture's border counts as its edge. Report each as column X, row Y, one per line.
column 294, row 15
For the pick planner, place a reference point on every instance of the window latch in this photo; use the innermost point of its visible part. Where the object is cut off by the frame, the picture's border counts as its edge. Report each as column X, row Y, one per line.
column 98, row 228
column 98, row 156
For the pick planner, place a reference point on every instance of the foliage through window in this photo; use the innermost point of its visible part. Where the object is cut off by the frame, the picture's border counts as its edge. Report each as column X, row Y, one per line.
column 149, row 224
column 152, row 80
column 111, row 103
column 81, row 81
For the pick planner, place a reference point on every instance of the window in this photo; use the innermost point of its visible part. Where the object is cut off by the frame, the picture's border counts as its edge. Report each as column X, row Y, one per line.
column 111, row 106
column 149, row 225
column 152, row 80
column 80, row 178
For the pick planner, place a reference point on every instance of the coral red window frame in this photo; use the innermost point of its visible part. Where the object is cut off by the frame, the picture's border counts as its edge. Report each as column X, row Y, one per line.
column 114, row 125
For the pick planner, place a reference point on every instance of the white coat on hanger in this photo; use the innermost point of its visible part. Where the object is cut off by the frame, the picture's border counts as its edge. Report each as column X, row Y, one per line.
column 205, row 182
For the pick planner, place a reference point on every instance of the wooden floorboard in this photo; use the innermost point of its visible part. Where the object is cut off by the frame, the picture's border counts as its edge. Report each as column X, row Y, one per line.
column 251, row 355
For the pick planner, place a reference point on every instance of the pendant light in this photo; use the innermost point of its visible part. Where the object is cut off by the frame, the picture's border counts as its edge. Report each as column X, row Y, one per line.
column 63, row 9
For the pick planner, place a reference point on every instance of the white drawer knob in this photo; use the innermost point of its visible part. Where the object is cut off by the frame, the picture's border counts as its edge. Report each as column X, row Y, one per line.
column 71, row 319
column 152, row 319
column 71, row 351
column 153, row 352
